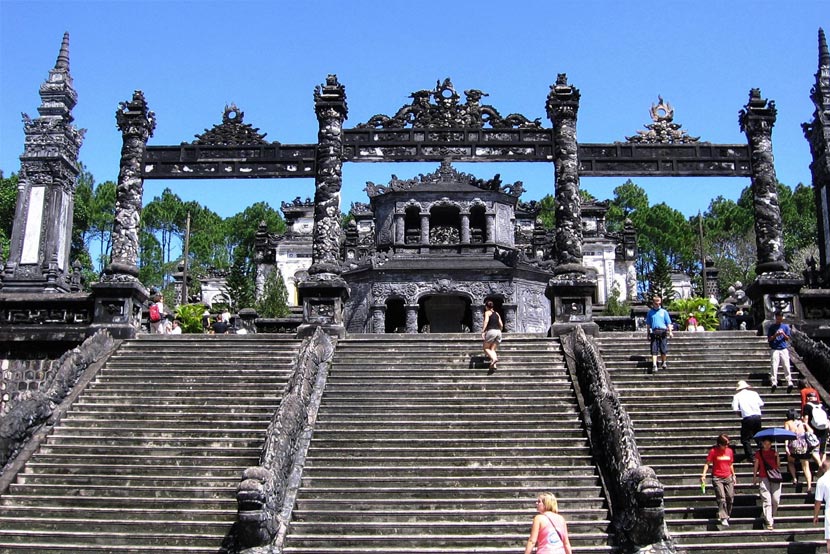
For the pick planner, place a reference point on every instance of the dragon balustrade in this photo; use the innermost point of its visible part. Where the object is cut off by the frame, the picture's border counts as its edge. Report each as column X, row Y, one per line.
column 265, row 494
column 634, row 492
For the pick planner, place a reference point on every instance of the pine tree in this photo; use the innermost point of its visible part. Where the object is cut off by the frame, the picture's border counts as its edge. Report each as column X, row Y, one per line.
column 660, row 279
column 274, row 300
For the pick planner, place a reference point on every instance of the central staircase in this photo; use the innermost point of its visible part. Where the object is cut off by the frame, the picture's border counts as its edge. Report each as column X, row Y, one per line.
column 678, row 414
column 148, row 458
column 419, row 449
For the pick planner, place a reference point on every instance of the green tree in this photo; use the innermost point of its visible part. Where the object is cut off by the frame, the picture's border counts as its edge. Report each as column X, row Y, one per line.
column 101, row 220
column 629, row 199
column 164, row 217
column 8, row 201
column 659, row 279
column 547, row 211
column 274, row 300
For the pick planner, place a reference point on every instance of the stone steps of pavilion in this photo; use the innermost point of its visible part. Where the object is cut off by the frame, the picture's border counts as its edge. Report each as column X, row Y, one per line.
column 419, row 449
column 149, row 456
column 678, row 413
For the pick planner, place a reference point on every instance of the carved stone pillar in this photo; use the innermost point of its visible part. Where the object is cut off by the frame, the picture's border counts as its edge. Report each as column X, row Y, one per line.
column 756, row 120
column 324, row 292
column 490, row 223
column 424, row 229
column 400, row 229
column 562, row 107
column 465, row 228
column 331, row 110
column 42, row 228
column 136, row 124
column 817, row 133
column 573, row 284
column 478, row 317
column 412, row 318
column 509, row 316
column 378, row 318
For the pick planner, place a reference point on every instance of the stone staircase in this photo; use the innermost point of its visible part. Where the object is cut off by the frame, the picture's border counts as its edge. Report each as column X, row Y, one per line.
column 419, row 450
column 678, row 413
column 148, row 458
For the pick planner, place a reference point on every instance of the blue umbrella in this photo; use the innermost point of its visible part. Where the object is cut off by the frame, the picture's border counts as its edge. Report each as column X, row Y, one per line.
column 774, row 433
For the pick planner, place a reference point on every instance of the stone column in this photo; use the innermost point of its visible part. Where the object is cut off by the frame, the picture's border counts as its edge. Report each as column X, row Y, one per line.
column 478, row 317
column 465, row 228
column 378, row 318
column 424, row 229
column 573, row 285
column 324, row 292
column 490, row 223
column 42, row 228
column 331, row 110
column 120, row 296
column 136, row 124
column 400, row 228
column 411, row 318
column 817, row 133
column 562, row 107
column 756, row 120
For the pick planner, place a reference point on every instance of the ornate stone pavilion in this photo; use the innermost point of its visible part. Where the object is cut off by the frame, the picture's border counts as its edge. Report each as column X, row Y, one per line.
column 426, row 253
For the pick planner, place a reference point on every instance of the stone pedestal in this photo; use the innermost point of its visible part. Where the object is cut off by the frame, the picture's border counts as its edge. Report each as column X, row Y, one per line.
column 773, row 291
column 572, row 296
column 322, row 297
column 815, row 305
column 118, row 308
column 247, row 320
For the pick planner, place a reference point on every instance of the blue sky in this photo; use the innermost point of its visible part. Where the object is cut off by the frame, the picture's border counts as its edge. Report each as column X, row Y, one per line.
column 192, row 58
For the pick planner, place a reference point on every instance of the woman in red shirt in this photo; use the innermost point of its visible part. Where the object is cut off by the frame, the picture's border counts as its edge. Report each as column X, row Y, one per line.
column 722, row 458
column 770, row 490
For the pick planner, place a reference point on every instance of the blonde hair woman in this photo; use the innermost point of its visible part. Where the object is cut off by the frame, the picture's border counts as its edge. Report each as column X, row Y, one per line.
column 549, row 533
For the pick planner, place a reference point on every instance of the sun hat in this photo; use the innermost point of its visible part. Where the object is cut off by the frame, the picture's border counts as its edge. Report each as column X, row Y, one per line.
column 742, row 385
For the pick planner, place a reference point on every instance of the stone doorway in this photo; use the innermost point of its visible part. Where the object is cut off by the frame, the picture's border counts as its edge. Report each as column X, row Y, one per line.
column 395, row 316
column 444, row 313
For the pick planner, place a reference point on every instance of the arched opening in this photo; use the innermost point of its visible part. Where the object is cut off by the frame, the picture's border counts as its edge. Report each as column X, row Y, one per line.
column 478, row 225
column 412, row 226
column 395, row 316
column 444, row 225
column 444, row 313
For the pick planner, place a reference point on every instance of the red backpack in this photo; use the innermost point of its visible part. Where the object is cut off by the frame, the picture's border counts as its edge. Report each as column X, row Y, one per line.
column 155, row 314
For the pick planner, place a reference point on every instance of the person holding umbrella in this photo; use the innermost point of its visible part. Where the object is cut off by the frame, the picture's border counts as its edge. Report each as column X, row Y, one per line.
column 748, row 403
column 767, row 475
column 724, row 479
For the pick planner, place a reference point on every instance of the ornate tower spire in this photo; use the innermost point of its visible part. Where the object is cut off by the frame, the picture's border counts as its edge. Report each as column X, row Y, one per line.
column 823, row 53
column 42, row 229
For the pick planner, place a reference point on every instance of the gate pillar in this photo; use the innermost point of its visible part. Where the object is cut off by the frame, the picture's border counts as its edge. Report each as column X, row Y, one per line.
column 573, row 284
column 817, row 133
column 775, row 288
column 42, row 229
column 324, row 292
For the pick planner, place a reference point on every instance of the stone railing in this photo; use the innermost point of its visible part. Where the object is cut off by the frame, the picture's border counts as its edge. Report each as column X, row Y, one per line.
column 635, row 495
column 33, row 408
column 815, row 354
column 266, row 493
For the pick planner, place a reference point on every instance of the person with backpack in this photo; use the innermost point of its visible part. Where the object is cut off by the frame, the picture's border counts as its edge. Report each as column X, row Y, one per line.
column 816, row 417
column 158, row 322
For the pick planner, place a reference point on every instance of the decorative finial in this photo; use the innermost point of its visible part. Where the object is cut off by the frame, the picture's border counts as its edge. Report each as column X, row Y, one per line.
column 63, row 56
column 823, row 53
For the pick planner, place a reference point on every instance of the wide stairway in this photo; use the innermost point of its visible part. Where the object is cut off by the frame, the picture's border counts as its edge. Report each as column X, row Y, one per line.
column 678, row 414
column 148, row 458
column 419, row 450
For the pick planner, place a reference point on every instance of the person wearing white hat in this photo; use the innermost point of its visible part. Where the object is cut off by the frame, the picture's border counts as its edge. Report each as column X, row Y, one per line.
column 748, row 404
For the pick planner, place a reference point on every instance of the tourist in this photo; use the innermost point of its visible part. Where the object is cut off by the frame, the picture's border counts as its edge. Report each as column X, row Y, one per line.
column 769, row 484
column 158, row 319
column 722, row 459
column 549, row 533
column 805, row 389
column 823, row 495
column 692, row 324
column 176, row 329
column 659, row 327
column 748, row 403
column 778, row 336
column 220, row 326
column 491, row 333
column 799, row 449
column 816, row 417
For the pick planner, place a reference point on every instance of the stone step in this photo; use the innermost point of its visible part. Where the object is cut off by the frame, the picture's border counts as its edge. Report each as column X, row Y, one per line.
column 44, row 523
column 106, row 491
column 135, row 536
column 12, row 501
column 133, row 470
column 160, row 515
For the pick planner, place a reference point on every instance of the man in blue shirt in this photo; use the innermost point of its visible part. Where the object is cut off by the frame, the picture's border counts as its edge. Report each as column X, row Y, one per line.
column 659, row 330
column 778, row 336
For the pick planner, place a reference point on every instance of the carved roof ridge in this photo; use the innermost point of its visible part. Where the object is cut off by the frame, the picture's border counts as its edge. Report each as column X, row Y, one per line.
column 446, row 174
column 440, row 108
column 232, row 131
column 662, row 130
